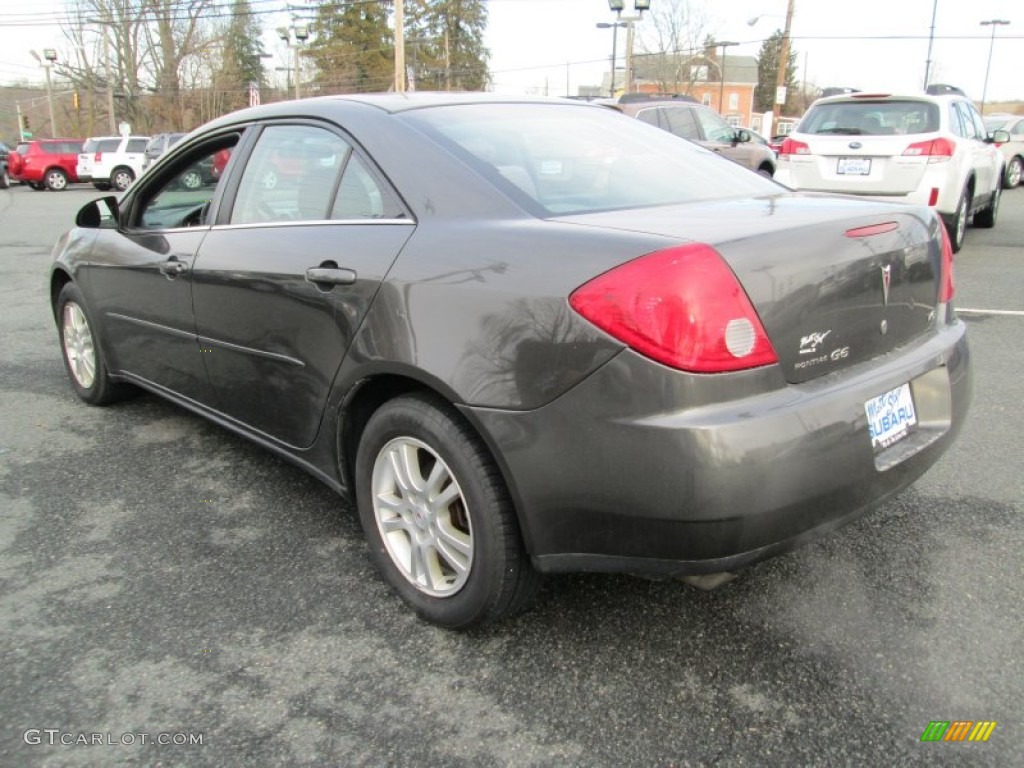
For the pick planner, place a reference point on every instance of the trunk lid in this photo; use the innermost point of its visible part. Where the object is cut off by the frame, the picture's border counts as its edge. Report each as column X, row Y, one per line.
column 871, row 165
column 835, row 281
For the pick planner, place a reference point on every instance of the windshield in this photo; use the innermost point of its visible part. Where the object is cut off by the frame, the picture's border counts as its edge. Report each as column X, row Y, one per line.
column 557, row 159
column 996, row 123
column 871, row 118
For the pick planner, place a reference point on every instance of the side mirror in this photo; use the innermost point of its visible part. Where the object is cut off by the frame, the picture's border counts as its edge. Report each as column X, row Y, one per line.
column 998, row 137
column 743, row 136
column 99, row 214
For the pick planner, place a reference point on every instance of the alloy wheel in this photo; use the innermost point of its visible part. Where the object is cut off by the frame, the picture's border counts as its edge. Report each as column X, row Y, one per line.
column 78, row 345
column 422, row 517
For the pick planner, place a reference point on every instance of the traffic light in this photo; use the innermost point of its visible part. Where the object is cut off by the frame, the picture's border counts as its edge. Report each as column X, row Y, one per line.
column 25, row 120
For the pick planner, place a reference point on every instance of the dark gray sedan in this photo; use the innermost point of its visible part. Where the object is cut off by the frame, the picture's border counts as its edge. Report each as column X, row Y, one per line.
column 526, row 336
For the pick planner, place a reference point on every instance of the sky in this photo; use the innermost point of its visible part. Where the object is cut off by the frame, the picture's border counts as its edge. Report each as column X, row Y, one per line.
column 543, row 46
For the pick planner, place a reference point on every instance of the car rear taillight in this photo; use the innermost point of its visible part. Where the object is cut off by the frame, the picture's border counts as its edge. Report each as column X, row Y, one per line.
column 946, row 289
column 683, row 307
column 794, row 147
column 97, row 157
column 937, row 150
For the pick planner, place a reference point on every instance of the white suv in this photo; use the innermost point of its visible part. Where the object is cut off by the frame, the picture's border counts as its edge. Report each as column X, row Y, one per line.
column 112, row 161
column 923, row 149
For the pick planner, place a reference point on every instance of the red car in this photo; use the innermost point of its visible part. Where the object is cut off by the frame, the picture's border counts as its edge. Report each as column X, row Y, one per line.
column 46, row 163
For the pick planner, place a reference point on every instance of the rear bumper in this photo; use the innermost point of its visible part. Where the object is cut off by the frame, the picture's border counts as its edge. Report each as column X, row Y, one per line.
column 645, row 469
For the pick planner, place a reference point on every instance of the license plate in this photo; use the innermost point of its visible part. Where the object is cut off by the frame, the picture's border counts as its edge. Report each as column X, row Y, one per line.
column 890, row 417
column 854, row 166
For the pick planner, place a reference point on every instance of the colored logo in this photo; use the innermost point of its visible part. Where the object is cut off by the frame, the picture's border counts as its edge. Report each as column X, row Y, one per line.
column 958, row 730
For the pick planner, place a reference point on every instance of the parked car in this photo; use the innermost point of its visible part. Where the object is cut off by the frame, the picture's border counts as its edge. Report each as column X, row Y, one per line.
column 5, row 178
column 704, row 126
column 45, row 163
column 112, row 161
column 159, row 144
column 926, row 149
column 1013, row 150
column 526, row 336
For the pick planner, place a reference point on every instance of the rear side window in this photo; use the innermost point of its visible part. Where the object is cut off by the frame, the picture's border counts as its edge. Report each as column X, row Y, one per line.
column 681, row 122
column 71, row 147
column 871, row 118
column 136, row 145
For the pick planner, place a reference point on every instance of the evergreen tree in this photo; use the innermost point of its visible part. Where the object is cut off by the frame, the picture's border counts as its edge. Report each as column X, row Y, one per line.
column 446, row 44
column 767, row 76
column 242, row 50
column 352, row 48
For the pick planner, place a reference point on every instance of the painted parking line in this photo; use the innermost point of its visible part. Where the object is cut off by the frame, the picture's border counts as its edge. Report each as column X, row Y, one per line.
column 1009, row 312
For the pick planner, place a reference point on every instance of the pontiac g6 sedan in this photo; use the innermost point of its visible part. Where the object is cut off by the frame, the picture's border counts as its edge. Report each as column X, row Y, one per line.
column 526, row 336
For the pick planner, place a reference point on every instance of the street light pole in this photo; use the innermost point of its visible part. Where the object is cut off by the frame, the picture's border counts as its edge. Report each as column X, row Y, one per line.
column 301, row 33
column 46, row 62
column 399, row 46
column 615, row 37
column 931, row 39
column 639, row 6
column 992, row 44
column 721, row 75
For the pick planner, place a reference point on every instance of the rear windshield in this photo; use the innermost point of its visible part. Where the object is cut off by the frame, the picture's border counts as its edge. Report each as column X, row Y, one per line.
column 101, row 145
column 997, row 123
column 559, row 159
column 871, row 118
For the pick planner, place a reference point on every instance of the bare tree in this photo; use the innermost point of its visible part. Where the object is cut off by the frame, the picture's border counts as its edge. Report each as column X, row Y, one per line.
column 671, row 44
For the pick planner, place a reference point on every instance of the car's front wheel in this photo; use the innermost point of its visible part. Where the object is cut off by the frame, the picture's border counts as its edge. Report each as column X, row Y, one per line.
column 122, row 178
column 438, row 518
column 1011, row 176
column 5, row 179
column 82, row 358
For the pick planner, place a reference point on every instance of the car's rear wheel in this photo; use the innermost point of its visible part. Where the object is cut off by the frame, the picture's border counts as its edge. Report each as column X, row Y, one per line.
column 56, row 180
column 1011, row 176
column 438, row 518
column 38, row 186
column 122, row 178
column 82, row 358
column 766, row 170
column 986, row 217
column 956, row 223
column 103, row 186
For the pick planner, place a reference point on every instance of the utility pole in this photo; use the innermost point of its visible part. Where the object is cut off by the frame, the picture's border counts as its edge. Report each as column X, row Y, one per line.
column 399, row 46
column 110, row 82
column 780, row 79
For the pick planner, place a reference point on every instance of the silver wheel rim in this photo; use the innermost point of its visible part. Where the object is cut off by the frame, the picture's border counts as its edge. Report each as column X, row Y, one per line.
column 1013, row 176
column 995, row 201
column 78, row 346
column 193, row 180
column 122, row 180
column 424, row 521
column 57, row 181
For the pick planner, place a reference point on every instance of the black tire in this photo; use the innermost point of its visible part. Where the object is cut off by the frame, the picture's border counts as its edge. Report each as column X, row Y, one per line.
column 1012, row 174
column 99, row 389
column 956, row 223
column 38, row 186
column 767, row 170
column 121, row 178
column 56, row 180
column 101, row 185
column 498, row 579
column 986, row 217
column 5, row 179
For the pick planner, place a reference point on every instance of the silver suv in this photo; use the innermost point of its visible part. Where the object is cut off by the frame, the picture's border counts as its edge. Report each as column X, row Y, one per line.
column 701, row 125
column 112, row 161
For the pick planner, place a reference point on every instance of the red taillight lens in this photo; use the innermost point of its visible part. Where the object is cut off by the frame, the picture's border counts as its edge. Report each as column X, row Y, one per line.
column 936, row 150
column 97, row 157
column 794, row 147
column 682, row 307
column 946, row 289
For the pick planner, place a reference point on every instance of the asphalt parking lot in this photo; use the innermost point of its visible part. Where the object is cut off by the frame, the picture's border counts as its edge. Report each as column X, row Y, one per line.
column 161, row 576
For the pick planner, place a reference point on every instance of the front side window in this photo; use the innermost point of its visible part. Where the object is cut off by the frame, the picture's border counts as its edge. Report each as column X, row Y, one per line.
column 291, row 175
column 681, row 122
column 714, row 127
column 182, row 194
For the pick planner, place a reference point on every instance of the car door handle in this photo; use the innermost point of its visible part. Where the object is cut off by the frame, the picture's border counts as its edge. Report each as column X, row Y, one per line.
column 173, row 267
column 330, row 276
